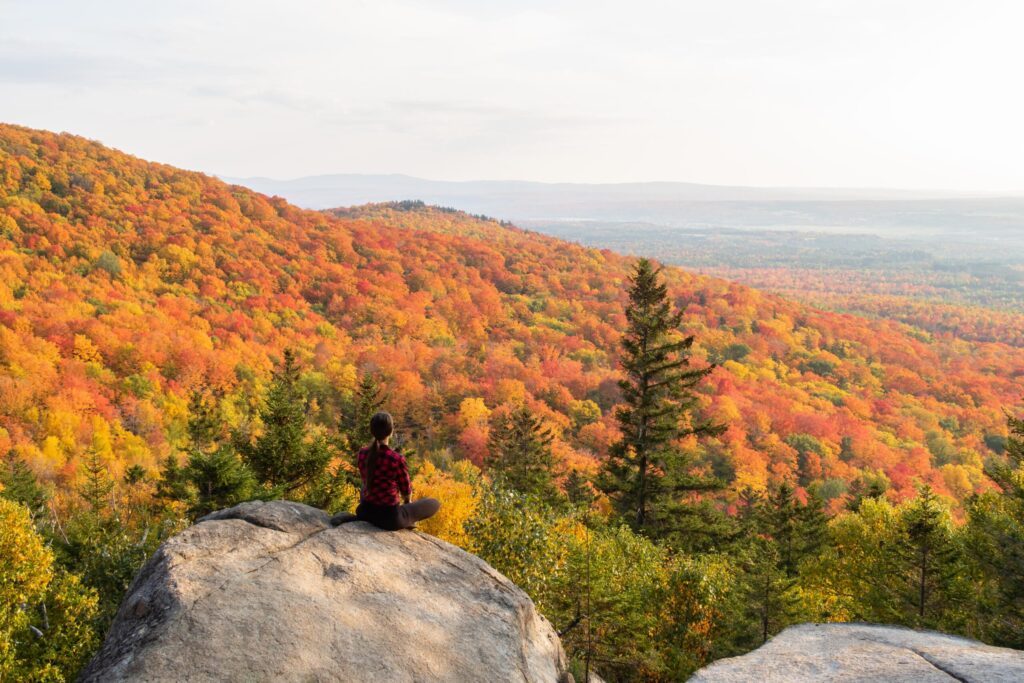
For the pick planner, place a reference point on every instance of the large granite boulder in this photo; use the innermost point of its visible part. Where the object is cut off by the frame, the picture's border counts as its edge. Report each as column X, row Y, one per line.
column 272, row 592
column 864, row 652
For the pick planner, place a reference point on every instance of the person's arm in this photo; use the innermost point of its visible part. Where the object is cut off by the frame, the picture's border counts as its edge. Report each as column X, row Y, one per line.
column 404, row 485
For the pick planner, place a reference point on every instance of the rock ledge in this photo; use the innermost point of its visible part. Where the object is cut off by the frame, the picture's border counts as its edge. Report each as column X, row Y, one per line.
column 865, row 652
column 271, row 592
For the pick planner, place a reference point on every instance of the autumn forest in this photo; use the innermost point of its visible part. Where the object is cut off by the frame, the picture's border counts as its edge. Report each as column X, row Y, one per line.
column 151, row 319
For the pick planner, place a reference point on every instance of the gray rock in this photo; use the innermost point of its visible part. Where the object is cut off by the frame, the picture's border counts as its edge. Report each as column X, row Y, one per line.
column 271, row 592
column 864, row 652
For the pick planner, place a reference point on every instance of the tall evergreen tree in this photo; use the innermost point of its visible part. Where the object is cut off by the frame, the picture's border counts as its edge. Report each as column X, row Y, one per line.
column 996, row 541
column 578, row 490
column 926, row 548
column 20, row 484
column 520, row 453
column 216, row 476
column 205, row 426
column 98, row 485
column 646, row 474
column 284, row 457
column 173, row 484
column 220, row 479
column 367, row 399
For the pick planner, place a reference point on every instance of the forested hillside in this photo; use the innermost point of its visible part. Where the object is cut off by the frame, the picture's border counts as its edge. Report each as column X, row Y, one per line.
column 170, row 344
column 127, row 284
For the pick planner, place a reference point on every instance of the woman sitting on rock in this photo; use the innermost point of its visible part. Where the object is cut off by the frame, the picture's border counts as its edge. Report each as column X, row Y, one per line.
column 385, row 477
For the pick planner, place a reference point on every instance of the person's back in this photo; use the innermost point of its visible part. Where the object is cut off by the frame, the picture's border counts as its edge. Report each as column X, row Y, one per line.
column 384, row 499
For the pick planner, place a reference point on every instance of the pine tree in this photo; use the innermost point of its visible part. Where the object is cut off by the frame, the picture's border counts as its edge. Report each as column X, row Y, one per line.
column 20, row 484
column 173, row 484
column 929, row 555
column 136, row 474
column 205, row 426
column 367, row 399
column 996, row 542
column 284, row 457
column 220, row 478
column 215, row 476
column 578, row 490
column 646, row 475
column 98, row 485
column 520, row 454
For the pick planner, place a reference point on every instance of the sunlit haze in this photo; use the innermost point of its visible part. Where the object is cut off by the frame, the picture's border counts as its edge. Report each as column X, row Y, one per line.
column 865, row 93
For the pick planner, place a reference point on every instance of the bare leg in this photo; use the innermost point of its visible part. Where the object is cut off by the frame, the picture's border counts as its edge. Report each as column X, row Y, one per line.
column 417, row 511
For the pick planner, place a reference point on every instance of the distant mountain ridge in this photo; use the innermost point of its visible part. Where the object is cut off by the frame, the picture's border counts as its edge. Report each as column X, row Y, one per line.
column 326, row 191
column 662, row 203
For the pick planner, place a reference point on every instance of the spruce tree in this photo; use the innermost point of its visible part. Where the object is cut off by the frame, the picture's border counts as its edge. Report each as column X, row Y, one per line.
column 930, row 557
column 216, row 476
column 98, row 485
column 367, row 399
column 778, row 534
column 996, row 542
column 220, row 479
column 520, row 454
column 20, row 484
column 136, row 474
column 646, row 474
column 578, row 491
column 284, row 457
column 205, row 426
column 173, row 484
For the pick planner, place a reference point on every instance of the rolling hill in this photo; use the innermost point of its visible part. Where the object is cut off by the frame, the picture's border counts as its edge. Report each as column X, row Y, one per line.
column 126, row 284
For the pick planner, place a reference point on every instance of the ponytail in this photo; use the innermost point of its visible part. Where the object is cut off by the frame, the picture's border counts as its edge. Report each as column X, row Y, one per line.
column 381, row 427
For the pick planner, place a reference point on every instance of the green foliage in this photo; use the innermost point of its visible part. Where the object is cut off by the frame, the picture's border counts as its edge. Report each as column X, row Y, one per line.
column 368, row 399
column 779, row 536
column 995, row 541
column 579, row 490
column 109, row 262
column 930, row 552
column 107, row 551
column 220, row 480
column 46, row 615
column 516, row 534
column 98, row 485
column 646, row 473
column 284, row 457
column 173, row 484
column 19, row 484
column 520, row 454
column 889, row 564
column 65, row 618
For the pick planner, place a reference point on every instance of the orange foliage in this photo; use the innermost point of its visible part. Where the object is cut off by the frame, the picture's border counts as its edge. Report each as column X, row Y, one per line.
column 125, row 284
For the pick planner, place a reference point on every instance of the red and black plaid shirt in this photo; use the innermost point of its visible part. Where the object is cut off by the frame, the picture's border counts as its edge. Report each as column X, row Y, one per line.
column 390, row 477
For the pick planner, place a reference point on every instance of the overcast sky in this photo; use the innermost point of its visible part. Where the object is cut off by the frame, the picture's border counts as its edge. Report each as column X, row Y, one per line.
column 869, row 93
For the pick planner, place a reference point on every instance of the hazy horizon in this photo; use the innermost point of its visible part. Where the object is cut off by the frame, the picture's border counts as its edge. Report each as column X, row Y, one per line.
column 913, row 95
column 923, row 192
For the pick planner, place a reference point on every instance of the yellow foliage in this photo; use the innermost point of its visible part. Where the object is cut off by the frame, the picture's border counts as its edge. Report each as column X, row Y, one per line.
column 458, row 499
column 473, row 412
column 25, row 565
column 85, row 351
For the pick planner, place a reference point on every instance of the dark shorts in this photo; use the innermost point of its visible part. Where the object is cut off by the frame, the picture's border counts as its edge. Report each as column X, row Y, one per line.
column 384, row 516
column 395, row 517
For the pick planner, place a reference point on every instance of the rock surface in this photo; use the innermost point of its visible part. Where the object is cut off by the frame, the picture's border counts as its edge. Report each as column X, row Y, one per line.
column 271, row 592
column 863, row 652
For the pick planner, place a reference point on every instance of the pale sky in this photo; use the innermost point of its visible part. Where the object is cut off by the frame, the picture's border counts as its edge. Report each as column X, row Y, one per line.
column 858, row 93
